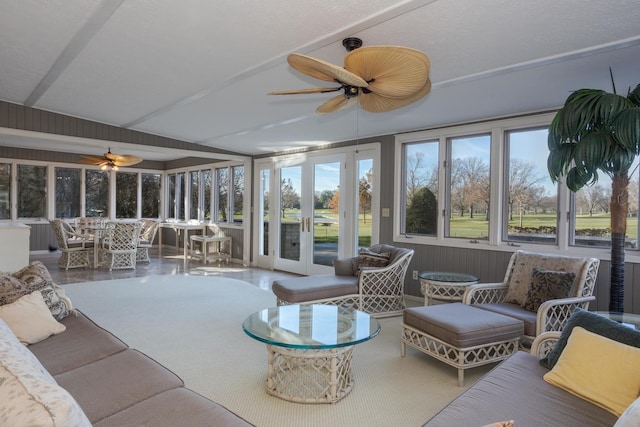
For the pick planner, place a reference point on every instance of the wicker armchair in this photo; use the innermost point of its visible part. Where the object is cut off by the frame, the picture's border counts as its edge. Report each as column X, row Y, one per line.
column 119, row 245
column 148, row 231
column 377, row 291
column 507, row 297
column 74, row 247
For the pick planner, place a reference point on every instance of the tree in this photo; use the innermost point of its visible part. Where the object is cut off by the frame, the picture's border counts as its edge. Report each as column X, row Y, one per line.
column 289, row 198
column 422, row 213
column 596, row 131
column 334, row 203
column 364, row 194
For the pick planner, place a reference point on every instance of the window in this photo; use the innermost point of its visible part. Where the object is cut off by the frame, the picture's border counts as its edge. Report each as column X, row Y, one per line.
column 364, row 200
column 531, row 199
column 420, row 167
column 222, row 180
column 32, row 191
column 207, row 188
column 5, row 191
column 67, row 193
column 194, row 207
column 264, row 204
column 126, row 195
column 97, row 193
column 238, row 189
column 591, row 220
column 469, row 187
column 150, row 195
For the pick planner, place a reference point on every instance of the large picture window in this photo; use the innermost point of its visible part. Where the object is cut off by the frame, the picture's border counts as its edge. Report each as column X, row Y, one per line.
column 420, row 162
column 67, row 192
column 5, row 191
column 126, row 195
column 150, row 195
column 32, row 192
column 97, row 193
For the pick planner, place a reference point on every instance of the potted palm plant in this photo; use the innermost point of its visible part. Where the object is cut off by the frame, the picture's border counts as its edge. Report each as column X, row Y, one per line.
column 599, row 132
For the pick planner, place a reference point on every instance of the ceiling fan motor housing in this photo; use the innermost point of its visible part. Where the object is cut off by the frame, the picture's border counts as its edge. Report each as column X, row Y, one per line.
column 351, row 43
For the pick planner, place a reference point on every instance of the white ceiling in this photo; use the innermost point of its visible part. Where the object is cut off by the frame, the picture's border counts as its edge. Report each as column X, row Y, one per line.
column 200, row 71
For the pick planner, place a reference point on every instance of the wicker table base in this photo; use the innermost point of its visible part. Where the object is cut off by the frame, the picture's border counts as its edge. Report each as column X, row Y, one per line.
column 309, row 376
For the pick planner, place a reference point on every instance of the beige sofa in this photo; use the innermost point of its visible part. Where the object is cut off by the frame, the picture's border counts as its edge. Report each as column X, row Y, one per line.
column 75, row 373
column 516, row 390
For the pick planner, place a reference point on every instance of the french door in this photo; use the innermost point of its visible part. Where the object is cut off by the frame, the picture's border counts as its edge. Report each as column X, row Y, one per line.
column 310, row 230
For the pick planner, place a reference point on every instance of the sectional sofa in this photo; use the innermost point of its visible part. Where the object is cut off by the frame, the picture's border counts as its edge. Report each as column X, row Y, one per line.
column 75, row 373
column 595, row 381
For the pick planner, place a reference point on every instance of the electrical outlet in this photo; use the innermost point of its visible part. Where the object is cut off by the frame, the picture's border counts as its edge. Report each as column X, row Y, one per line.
column 415, row 274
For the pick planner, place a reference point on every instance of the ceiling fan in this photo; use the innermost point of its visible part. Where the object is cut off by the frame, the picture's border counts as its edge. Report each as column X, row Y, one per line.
column 110, row 161
column 378, row 78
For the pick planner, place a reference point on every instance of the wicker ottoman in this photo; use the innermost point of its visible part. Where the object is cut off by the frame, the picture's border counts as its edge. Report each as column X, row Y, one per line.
column 460, row 335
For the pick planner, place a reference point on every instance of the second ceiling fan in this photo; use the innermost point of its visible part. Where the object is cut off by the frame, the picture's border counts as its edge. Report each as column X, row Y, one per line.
column 379, row 78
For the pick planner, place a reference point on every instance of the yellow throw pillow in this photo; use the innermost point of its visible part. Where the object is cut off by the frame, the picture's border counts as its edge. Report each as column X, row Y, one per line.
column 30, row 319
column 599, row 370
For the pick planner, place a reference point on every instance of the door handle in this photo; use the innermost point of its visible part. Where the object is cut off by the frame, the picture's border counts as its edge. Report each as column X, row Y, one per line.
column 302, row 224
column 308, row 223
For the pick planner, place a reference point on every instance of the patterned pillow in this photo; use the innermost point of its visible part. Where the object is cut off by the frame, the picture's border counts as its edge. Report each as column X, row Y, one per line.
column 10, row 289
column 372, row 259
column 501, row 424
column 35, row 276
column 546, row 285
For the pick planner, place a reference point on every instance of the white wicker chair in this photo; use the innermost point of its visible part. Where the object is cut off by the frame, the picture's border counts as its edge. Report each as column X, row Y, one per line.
column 552, row 314
column 74, row 247
column 380, row 291
column 119, row 245
column 148, row 232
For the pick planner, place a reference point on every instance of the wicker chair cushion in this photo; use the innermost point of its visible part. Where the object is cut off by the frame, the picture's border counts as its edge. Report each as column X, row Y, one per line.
column 599, row 370
column 522, row 270
column 546, row 285
column 593, row 323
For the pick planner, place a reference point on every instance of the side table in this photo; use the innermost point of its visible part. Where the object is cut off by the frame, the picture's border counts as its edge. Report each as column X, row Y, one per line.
column 444, row 286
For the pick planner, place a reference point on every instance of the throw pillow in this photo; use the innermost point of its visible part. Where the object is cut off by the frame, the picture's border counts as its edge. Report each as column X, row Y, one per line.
column 35, row 276
column 30, row 319
column 593, row 323
column 29, row 395
column 10, row 289
column 57, row 307
column 368, row 258
column 599, row 370
column 546, row 285
column 631, row 416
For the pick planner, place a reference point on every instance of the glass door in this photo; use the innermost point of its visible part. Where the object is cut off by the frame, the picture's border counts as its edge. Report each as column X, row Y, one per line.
column 309, row 210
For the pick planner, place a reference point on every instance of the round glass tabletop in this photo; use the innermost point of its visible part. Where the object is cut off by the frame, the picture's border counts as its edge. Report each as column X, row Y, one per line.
column 443, row 276
column 316, row 326
column 626, row 319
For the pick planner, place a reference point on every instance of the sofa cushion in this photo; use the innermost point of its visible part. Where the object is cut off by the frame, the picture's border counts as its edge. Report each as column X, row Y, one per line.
column 516, row 311
column 112, row 384
column 515, row 390
column 82, row 343
column 546, row 285
column 593, row 323
column 30, row 319
column 599, row 370
column 173, row 408
column 311, row 288
column 29, row 396
column 367, row 258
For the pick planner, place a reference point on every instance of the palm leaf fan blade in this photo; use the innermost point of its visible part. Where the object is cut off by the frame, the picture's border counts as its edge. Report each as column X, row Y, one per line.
column 323, row 70
column 304, row 91
column 375, row 103
column 391, row 71
column 336, row 103
column 126, row 159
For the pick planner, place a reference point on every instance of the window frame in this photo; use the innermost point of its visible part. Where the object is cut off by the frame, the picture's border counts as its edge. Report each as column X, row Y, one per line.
column 497, row 128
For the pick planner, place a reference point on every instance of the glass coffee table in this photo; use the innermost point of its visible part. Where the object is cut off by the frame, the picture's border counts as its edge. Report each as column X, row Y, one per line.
column 309, row 349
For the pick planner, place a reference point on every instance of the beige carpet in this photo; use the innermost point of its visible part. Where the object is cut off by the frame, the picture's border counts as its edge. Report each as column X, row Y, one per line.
column 192, row 325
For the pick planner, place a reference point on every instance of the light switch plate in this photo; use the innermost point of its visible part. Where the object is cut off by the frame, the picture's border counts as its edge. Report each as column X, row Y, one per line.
column 385, row 212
